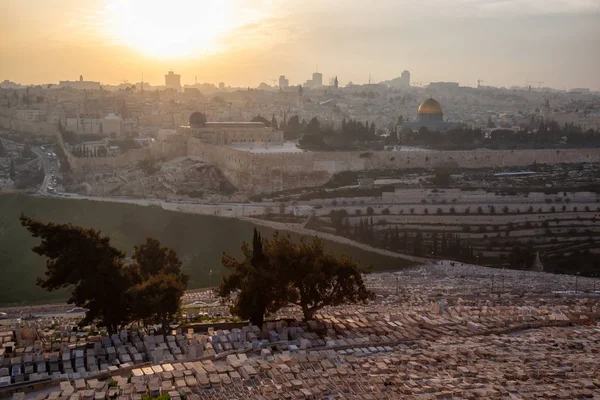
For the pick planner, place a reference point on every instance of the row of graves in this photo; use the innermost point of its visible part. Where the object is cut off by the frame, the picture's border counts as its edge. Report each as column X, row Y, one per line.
column 556, row 362
column 442, row 334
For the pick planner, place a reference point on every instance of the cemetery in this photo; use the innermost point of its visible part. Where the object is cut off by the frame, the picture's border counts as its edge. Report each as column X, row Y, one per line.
column 439, row 331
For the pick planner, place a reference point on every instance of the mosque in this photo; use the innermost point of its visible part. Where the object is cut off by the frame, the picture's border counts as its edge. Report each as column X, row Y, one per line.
column 227, row 133
column 430, row 116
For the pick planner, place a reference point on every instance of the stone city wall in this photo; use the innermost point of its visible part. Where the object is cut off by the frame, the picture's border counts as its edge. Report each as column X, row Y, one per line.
column 281, row 171
column 163, row 149
column 19, row 125
column 271, row 172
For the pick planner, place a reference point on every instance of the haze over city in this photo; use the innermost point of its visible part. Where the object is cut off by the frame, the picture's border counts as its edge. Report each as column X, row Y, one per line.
column 243, row 43
column 299, row 199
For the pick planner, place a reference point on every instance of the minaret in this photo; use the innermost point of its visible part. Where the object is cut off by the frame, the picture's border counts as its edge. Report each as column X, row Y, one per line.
column 537, row 264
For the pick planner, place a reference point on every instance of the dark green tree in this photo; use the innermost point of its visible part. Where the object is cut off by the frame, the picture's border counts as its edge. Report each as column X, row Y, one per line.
column 11, row 172
column 316, row 279
column 260, row 118
column 418, row 244
column 160, row 284
column 278, row 272
column 83, row 260
column 256, row 284
column 274, row 123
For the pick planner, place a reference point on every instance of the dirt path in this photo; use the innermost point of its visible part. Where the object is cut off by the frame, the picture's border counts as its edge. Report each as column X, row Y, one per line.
column 299, row 229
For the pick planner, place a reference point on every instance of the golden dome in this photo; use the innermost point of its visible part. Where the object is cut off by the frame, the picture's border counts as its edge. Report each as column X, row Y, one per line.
column 430, row 106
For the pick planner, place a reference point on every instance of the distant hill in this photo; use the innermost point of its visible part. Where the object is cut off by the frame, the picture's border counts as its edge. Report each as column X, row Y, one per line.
column 199, row 240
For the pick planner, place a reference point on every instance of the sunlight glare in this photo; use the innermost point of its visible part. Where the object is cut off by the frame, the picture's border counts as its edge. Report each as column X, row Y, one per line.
column 170, row 29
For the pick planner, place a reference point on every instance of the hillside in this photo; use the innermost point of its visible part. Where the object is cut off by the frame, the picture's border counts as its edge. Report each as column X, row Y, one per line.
column 199, row 240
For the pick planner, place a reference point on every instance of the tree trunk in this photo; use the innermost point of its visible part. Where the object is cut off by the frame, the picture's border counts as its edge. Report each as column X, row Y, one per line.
column 309, row 313
column 257, row 319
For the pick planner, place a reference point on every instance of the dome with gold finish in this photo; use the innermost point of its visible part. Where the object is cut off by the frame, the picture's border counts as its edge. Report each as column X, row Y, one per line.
column 430, row 107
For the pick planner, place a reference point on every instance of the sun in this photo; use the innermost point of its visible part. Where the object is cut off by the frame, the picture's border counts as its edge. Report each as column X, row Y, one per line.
column 172, row 28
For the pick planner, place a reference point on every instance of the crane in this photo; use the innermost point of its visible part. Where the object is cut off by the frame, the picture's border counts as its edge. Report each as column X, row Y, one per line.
column 540, row 83
column 479, row 82
column 274, row 81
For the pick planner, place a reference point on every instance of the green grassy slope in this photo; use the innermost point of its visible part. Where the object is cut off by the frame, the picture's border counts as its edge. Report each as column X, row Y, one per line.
column 199, row 240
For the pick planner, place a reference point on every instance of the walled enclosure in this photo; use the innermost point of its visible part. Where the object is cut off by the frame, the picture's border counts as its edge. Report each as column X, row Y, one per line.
column 266, row 173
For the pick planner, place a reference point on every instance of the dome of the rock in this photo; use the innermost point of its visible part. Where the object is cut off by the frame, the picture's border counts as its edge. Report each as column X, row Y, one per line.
column 430, row 107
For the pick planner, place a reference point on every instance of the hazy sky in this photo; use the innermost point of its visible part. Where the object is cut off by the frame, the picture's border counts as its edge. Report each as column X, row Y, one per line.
column 245, row 42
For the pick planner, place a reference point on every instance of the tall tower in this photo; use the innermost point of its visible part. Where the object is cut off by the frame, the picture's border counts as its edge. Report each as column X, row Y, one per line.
column 283, row 82
column 405, row 78
column 173, row 81
column 317, row 79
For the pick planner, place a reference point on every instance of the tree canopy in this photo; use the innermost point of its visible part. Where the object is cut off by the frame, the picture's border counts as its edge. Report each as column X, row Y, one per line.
column 280, row 272
column 260, row 118
column 254, row 282
column 113, row 294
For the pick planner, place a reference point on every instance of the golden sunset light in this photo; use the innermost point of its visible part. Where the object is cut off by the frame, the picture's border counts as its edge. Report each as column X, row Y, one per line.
column 175, row 29
column 299, row 199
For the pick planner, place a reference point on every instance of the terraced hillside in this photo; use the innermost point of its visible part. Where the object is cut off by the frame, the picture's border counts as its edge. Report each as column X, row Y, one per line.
column 563, row 228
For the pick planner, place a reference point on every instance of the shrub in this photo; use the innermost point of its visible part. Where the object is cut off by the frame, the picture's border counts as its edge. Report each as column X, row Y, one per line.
column 426, row 211
column 385, row 211
column 439, row 211
column 370, row 211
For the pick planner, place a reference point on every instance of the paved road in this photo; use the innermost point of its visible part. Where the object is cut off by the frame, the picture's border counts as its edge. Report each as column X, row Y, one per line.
column 48, row 163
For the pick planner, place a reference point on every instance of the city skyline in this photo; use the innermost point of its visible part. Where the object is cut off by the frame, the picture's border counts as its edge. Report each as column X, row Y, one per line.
column 504, row 43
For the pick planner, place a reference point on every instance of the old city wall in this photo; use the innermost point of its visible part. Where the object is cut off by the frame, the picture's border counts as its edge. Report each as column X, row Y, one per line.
column 271, row 172
column 477, row 159
column 236, row 165
column 19, row 125
column 275, row 172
